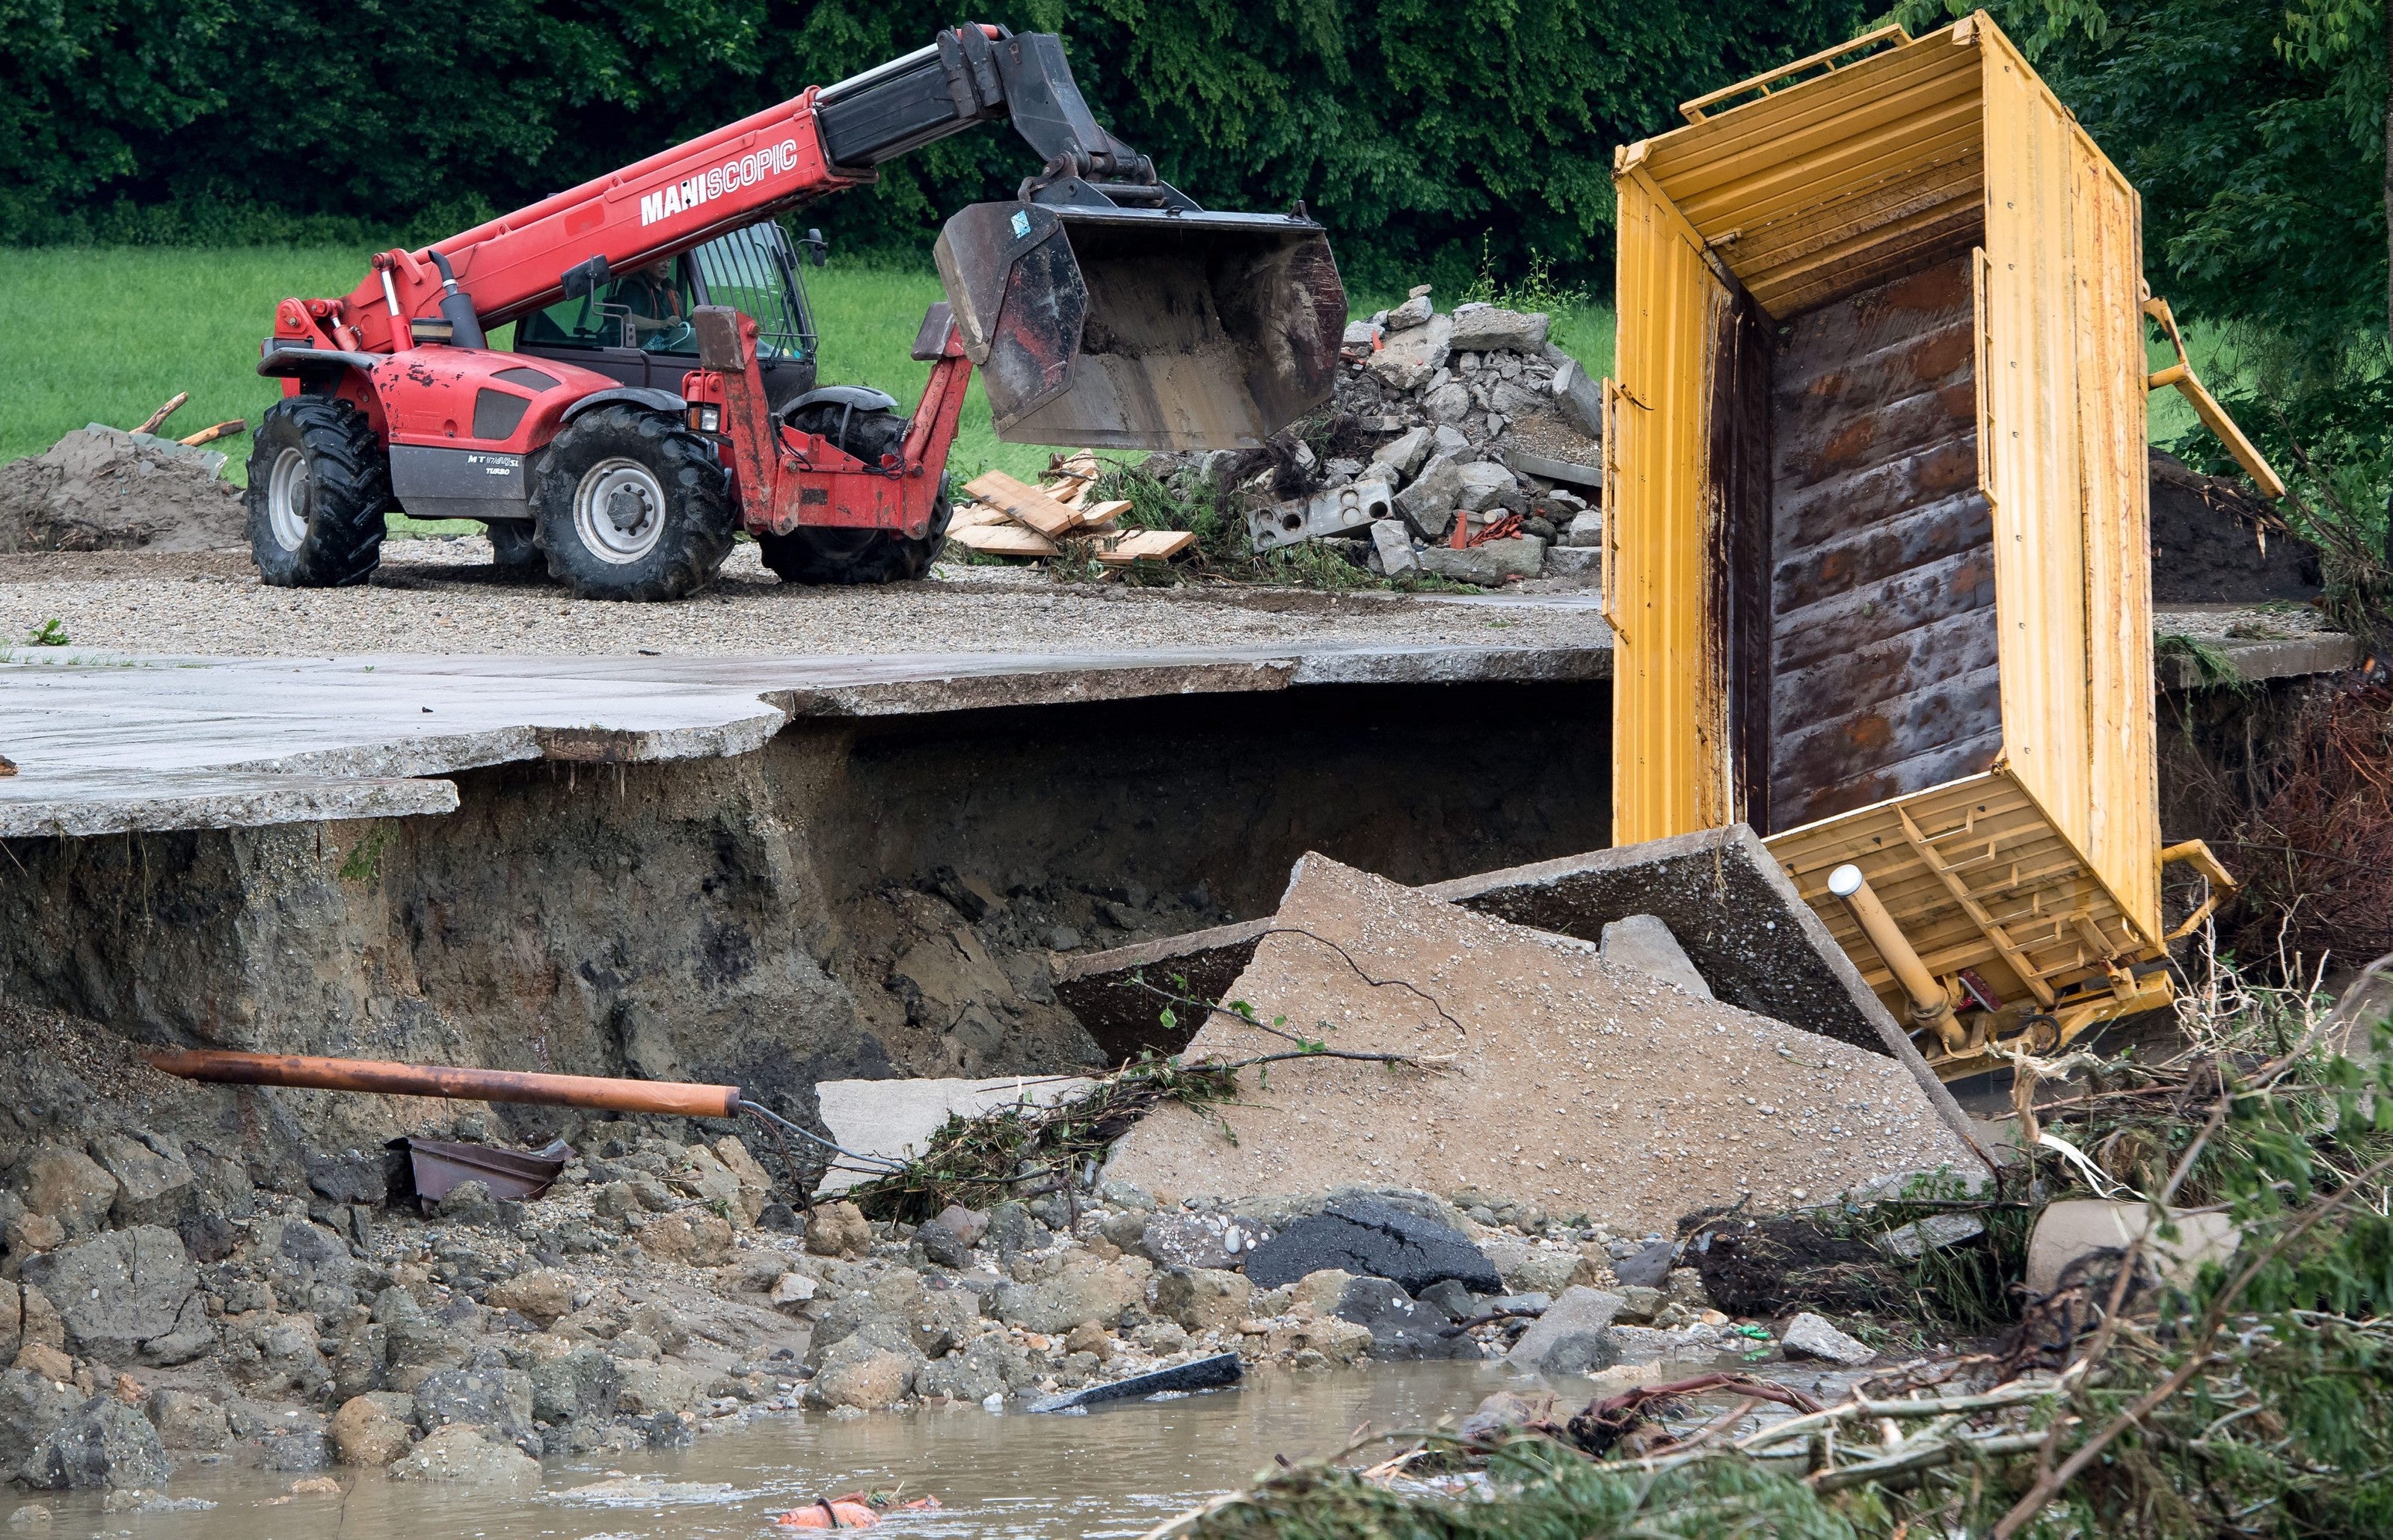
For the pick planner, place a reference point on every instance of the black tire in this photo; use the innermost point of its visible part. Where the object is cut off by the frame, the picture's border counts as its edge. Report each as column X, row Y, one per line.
column 319, row 487
column 819, row 555
column 624, row 461
column 515, row 552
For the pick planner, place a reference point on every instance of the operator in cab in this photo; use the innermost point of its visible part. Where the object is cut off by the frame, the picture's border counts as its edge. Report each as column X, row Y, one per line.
column 655, row 304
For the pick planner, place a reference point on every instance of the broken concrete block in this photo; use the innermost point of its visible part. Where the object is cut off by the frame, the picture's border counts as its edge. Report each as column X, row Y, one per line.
column 1810, row 1335
column 1585, row 530
column 1395, row 544
column 1447, row 403
column 1489, row 565
column 1427, row 504
column 1580, row 397
column 1644, row 942
column 1327, row 515
column 1406, row 359
column 1756, row 1107
column 1361, row 337
column 1412, row 312
column 1914, row 1241
column 1486, row 485
column 1575, row 563
column 895, row 1119
column 1403, row 457
column 2078, row 1227
column 1489, row 328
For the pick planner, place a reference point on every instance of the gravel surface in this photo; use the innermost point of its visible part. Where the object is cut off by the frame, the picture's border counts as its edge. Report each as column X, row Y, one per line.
column 1573, row 1082
column 444, row 596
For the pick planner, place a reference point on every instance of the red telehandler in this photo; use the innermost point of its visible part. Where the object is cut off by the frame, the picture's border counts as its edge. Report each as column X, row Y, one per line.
column 659, row 395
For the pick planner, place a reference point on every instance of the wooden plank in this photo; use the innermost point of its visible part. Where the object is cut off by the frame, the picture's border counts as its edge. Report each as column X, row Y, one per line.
column 972, row 513
column 1096, row 515
column 1027, row 504
column 1002, row 540
column 1148, row 545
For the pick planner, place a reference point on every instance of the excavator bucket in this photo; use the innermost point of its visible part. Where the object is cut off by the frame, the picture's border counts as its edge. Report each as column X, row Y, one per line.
column 1155, row 328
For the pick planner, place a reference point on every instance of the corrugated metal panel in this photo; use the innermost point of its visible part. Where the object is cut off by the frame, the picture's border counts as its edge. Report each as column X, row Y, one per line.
column 1840, row 182
column 1669, row 728
column 2064, row 397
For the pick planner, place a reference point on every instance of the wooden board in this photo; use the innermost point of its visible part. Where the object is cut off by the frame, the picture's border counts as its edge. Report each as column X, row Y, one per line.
column 1002, row 540
column 1103, row 515
column 1028, row 504
column 973, row 514
column 1148, row 545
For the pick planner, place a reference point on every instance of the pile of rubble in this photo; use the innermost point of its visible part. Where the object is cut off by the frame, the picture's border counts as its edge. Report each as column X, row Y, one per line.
column 100, row 489
column 1465, row 446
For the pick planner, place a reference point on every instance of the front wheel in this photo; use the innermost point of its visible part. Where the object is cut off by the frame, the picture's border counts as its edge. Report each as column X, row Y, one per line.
column 814, row 554
column 319, row 487
column 629, row 504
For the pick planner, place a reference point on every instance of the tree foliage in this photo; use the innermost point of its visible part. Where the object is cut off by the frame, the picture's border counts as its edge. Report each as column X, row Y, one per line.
column 1410, row 127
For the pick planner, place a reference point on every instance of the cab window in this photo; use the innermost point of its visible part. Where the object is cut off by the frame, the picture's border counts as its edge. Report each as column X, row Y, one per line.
column 648, row 307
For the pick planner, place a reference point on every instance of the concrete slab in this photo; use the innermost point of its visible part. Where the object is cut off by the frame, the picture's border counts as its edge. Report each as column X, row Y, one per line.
column 895, row 1118
column 109, row 744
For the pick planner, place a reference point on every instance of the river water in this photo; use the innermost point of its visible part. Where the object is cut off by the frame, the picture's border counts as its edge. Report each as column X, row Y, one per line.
column 1115, row 1471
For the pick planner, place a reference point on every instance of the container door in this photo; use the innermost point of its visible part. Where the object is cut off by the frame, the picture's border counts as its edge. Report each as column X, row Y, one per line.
column 1670, row 748
column 2065, row 461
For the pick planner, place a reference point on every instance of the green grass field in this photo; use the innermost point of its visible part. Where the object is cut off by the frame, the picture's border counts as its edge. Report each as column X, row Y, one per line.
column 106, row 335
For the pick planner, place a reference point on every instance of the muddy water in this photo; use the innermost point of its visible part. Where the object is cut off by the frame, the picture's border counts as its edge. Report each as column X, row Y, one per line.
column 1115, row 1471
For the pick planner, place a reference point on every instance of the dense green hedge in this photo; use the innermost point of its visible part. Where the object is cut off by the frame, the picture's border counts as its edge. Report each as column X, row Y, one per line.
column 1412, row 127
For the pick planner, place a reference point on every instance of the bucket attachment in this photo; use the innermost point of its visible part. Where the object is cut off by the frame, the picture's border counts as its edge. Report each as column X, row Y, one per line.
column 1144, row 329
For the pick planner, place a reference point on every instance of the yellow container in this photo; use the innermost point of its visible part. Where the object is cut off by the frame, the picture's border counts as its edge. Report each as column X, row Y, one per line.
column 1876, row 525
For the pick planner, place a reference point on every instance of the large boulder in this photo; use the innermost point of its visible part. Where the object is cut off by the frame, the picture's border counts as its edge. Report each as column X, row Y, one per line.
column 463, row 1454
column 275, row 1355
column 989, row 1365
column 497, row 1399
column 1491, row 329
column 541, row 1295
column 117, row 1291
column 872, row 1368
column 370, row 1430
column 575, row 1387
column 1573, row 1336
column 1203, row 1300
column 1372, row 1239
column 153, row 1184
column 308, row 1265
column 184, row 1419
column 104, row 1443
column 651, row 1389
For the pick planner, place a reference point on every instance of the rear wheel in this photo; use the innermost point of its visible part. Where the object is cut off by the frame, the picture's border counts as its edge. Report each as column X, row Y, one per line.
column 630, row 504
column 319, row 487
column 816, row 555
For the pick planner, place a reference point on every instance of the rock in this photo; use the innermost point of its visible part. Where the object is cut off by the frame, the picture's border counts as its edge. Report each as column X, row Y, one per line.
column 1393, row 545
column 1644, row 942
column 467, row 1202
column 153, row 1185
column 12, row 1320
column 968, row 1225
column 28, row 1516
column 1581, row 398
column 1370, row 1239
column 1451, row 1300
column 1539, row 1270
column 31, row 1407
column 464, row 1455
column 186, row 1419
column 118, row 1290
column 1449, row 403
column 355, row 1177
column 1585, row 531
column 1580, row 1352
column 40, row 1358
column 1685, row 1286
column 29, row 1233
column 701, row 1176
column 580, row 1386
column 1406, row 359
column 40, row 1323
column 651, row 1389
column 309, row 1266
column 942, row 1245
column 690, row 1237
column 1085, row 1290
column 275, row 1355
column 1580, row 1312
column 839, row 1229
column 1582, row 565
column 1202, row 1300
column 1487, row 566
column 1640, row 1302
column 1486, row 329
column 1315, row 1339
column 2076, row 1228
column 68, row 1186
column 1412, row 312
column 987, row 1365
column 1912, row 1241
column 541, row 1295
column 500, row 1400
column 1359, row 337
column 1808, row 1335
column 1486, row 485
column 1499, row 1414
column 789, row 1291
column 872, row 1368
column 103, row 1443
column 1211, row 1373
column 1646, row 1267
column 1427, row 504
column 756, row 1182
column 1401, row 1328
column 1213, row 1241
column 1013, row 1230
column 365, row 1432
column 1403, row 455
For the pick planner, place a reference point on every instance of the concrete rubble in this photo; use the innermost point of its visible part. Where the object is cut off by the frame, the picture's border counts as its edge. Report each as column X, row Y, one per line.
column 1442, row 424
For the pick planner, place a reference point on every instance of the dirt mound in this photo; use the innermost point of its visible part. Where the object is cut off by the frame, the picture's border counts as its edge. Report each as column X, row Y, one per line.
column 2214, row 542
column 99, row 488
column 1574, row 1081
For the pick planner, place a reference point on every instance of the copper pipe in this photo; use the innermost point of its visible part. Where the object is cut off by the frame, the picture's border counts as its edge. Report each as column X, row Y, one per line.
column 1930, row 1008
column 670, row 1097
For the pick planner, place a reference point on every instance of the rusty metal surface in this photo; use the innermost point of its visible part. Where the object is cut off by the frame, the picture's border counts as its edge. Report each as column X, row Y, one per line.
column 1883, row 648
column 437, row 1167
